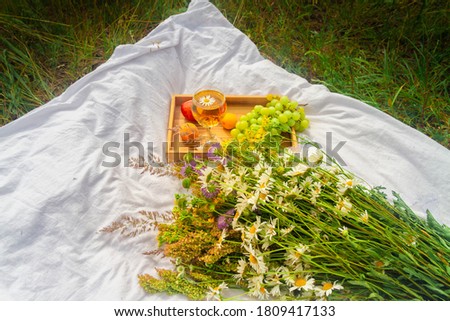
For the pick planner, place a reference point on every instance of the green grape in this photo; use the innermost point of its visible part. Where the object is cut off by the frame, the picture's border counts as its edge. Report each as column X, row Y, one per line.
column 240, row 136
column 294, row 104
column 288, row 114
column 291, row 122
column 298, row 126
column 258, row 108
column 296, row 115
column 302, row 115
column 284, row 100
column 265, row 111
column 243, row 118
column 305, row 123
column 274, row 102
column 259, row 120
column 274, row 122
column 285, row 128
column 283, row 118
column 234, row 132
column 274, row 131
column 242, row 125
column 278, row 106
column 272, row 110
column 253, row 121
column 254, row 127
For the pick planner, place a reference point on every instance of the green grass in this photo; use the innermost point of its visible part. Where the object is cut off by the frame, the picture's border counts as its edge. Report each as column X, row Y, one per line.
column 394, row 55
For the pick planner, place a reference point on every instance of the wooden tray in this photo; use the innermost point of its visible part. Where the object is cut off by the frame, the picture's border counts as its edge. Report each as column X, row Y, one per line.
column 176, row 149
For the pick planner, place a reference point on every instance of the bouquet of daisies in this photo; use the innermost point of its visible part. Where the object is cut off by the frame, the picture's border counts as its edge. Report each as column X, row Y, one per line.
column 279, row 224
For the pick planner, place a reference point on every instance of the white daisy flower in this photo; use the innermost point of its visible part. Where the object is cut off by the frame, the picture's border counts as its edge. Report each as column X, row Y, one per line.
column 327, row 288
column 227, row 174
column 288, row 190
column 275, row 291
column 216, row 293
column 207, row 100
column 345, row 183
column 344, row 205
column 241, row 185
column 222, row 237
column 228, row 181
column 288, row 153
column 265, row 196
column 364, row 217
column 265, row 180
column 257, row 288
column 242, row 202
column 343, row 230
column 297, row 170
column 275, row 277
column 253, row 200
column 242, row 171
column 252, row 232
column 242, row 264
column 314, row 155
column 306, row 184
column 287, row 230
column 256, row 281
column 227, row 186
column 301, row 282
column 270, row 229
column 256, row 260
column 260, row 166
column 316, row 188
column 260, row 292
column 293, row 256
column 205, row 177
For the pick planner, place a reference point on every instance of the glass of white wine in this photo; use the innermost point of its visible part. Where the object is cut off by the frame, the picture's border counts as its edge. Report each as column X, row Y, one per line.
column 208, row 107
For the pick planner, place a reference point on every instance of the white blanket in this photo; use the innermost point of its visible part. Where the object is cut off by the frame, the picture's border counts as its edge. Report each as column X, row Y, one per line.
column 55, row 193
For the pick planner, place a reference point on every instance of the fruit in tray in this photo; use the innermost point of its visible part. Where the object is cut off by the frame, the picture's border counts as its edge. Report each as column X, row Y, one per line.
column 186, row 110
column 228, row 120
column 188, row 132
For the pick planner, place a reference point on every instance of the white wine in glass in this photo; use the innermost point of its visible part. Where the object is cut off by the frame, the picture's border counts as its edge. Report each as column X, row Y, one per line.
column 208, row 107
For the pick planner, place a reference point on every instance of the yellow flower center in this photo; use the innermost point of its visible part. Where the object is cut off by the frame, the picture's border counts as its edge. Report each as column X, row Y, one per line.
column 327, row 286
column 252, row 229
column 262, row 290
column 349, row 183
column 262, row 196
column 253, row 259
column 300, row 282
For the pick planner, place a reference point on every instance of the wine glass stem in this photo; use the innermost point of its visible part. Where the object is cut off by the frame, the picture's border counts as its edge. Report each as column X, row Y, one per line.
column 208, row 130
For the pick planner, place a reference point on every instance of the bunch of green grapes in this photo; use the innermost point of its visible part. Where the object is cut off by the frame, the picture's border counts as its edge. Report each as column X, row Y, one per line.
column 279, row 116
